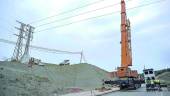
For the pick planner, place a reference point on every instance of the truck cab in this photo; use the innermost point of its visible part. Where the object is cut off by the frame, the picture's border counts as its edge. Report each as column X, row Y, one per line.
column 150, row 80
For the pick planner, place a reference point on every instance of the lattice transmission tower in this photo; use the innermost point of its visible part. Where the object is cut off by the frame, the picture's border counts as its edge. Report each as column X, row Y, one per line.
column 21, row 51
column 17, row 54
column 29, row 37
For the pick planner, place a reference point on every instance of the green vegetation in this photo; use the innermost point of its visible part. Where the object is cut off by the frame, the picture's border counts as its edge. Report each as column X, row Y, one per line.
column 163, row 75
column 164, row 78
column 158, row 72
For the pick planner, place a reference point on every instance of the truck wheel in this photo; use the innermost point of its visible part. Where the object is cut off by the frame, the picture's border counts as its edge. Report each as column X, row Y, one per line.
column 135, row 87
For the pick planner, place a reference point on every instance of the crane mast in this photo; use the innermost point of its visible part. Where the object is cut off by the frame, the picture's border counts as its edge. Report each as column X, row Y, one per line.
column 126, row 51
column 125, row 38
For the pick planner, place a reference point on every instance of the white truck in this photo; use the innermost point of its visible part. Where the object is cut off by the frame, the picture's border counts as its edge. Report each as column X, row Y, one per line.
column 65, row 62
column 151, row 83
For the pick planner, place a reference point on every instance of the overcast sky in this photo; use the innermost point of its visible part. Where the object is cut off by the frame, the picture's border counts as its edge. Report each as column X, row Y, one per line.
column 99, row 38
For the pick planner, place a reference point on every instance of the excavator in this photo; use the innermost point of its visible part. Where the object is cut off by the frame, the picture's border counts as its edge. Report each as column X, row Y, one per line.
column 128, row 79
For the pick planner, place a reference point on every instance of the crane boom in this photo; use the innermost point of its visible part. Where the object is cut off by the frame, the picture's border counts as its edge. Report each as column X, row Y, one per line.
column 125, row 38
column 126, row 51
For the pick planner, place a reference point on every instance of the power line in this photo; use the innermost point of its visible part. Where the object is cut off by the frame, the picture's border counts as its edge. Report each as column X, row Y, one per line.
column 68, row 11
column 143, row 5
column 65, row 18
column 41, row 48
column 48, row 49
column 75, row 22
column 112, row 5
column 54, row 50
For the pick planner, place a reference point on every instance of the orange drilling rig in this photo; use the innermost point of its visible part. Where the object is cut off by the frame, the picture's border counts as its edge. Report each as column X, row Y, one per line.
column 126, row 51
column 127, row 78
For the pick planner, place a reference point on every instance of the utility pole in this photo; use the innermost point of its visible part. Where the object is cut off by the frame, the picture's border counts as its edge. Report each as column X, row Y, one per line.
column 29, row 37
column 81, row 57
column 18, row 48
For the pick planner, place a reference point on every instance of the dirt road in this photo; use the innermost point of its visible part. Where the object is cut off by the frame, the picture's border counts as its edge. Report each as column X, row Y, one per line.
column 140, row 92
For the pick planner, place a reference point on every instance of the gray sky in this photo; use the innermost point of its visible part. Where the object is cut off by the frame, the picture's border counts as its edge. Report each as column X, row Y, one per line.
column 99, row 38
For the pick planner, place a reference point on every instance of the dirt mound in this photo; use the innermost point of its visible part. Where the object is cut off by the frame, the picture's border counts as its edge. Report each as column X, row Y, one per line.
column 18, row 79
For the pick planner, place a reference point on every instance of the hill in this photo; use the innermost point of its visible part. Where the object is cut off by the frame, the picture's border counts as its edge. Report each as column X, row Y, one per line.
column 18, row 79
column 158, row 72
column 164, row 77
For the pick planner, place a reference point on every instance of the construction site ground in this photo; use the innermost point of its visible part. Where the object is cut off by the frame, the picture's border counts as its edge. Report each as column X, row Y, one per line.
column 140, row 92
column 93, row 92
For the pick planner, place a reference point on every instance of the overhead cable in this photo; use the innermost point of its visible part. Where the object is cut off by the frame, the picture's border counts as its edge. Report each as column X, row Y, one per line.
column 42, row 48
column 142, row 5
column 112, row 5
column 68, row 11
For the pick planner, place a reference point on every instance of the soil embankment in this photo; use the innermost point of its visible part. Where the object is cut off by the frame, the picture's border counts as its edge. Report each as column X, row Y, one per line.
column 18, row 79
